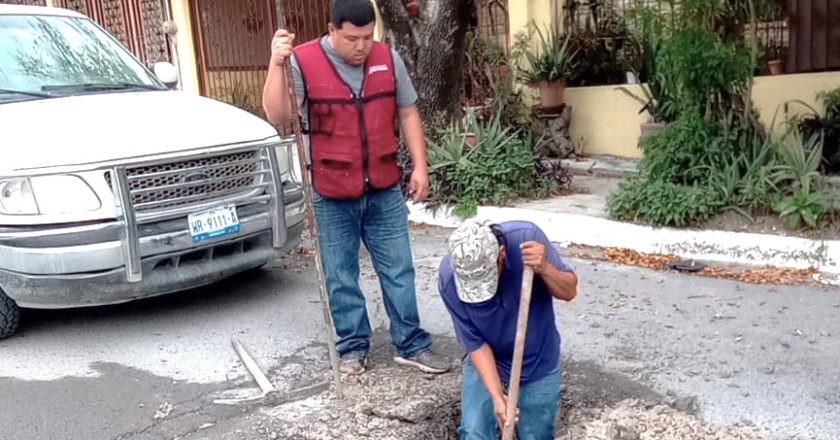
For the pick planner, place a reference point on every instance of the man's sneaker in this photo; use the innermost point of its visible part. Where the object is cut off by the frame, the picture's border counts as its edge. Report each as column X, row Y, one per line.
column 427, row 361
column 353, row 365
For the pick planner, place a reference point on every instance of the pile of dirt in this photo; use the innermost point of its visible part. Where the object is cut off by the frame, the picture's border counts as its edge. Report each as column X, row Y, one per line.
column 632, row 419
column 395, row 403
column 386, row 402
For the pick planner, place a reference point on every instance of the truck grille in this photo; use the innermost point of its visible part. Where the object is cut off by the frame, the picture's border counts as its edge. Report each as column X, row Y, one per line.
column 197, row 180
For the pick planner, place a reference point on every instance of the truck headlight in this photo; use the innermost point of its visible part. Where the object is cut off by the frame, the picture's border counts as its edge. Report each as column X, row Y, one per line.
column 288, row 164
column 16, row 197
column 47, row 195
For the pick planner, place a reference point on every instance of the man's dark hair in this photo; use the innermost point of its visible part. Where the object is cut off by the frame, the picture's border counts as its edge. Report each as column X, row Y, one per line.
column 358, row 12
column 500, row 236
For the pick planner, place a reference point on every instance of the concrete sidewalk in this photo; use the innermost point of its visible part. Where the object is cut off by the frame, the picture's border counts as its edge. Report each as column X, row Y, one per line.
column 582, row 219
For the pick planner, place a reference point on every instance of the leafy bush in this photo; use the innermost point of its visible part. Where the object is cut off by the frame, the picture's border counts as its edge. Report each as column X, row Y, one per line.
column 500, row 167
column 827, row 126
column 800, row 185
column 706, row 74
column 802, row 206
column 605, row 50
column 679, row 152
column 662, row 203
column 551, row 60
column 715, row 154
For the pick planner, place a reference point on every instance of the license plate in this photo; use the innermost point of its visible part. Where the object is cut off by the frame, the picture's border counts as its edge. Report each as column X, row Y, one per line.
column 213, row 223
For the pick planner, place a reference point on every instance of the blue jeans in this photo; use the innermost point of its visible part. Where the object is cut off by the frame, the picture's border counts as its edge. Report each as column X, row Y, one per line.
column 539, row 401
column 380, row 220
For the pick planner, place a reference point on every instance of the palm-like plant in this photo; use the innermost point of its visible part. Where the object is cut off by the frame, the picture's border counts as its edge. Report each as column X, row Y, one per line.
column 551, row 61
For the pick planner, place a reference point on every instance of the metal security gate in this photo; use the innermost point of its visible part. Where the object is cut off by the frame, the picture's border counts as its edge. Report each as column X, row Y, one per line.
column 814, row 35
column 25, row 2
column 138, row 24
column 233, row 41
column 306, row 18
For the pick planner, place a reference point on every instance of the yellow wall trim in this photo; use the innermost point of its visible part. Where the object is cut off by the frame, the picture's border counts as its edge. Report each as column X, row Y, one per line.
column 607, row 121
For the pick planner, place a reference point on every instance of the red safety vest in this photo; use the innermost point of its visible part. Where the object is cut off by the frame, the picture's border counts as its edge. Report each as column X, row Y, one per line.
column 353, row 139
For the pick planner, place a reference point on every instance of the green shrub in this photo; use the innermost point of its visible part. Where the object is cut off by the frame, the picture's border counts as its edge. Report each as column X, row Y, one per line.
column 678, row 152
column 799, row 181
column 802, row 206
column 705, row 74
column 502, row 166
column 826, row 125
column 551, row 60
column 661, row 203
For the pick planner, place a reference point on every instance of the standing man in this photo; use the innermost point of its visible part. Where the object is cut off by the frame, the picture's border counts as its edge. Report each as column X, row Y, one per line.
column 351, row 92
column 480, row 282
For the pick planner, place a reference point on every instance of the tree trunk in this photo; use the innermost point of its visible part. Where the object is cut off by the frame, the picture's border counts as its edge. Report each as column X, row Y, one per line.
column 432, row 47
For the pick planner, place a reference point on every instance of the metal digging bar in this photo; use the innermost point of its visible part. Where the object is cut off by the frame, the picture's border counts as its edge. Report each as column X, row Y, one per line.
column 310, row 214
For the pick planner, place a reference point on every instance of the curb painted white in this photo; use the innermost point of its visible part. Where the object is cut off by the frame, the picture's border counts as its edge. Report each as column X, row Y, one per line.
column 708, row 245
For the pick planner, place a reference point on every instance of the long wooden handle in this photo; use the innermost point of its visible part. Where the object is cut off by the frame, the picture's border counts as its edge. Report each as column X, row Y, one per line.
column 310, row 214
column 518, row 352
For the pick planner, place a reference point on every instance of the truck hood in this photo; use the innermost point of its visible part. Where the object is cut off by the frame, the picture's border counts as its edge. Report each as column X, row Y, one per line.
column 117, row 126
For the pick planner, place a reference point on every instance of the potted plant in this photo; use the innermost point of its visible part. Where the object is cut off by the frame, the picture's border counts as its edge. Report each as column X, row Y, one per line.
column 775, row 63
column 549, row 66
column 776, row 66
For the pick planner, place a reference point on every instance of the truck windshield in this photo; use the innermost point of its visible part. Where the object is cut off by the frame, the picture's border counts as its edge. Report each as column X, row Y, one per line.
column 46, row 56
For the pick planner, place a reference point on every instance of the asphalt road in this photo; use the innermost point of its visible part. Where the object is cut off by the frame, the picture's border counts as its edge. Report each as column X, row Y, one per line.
column 150, row 370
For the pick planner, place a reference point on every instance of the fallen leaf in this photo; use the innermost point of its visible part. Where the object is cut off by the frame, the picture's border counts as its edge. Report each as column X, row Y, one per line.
column 763, row 275
column 784, row 343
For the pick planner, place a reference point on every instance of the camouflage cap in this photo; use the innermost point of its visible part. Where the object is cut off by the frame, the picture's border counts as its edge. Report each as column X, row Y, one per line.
column 474, row 252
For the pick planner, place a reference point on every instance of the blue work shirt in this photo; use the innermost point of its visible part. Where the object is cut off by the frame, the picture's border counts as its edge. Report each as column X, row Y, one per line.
column 494, row 321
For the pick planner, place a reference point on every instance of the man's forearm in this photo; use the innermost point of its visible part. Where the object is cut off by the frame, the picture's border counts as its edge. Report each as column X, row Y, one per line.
column 276, row 102
column 562, row 285
column 412, row 128
column 484, row 363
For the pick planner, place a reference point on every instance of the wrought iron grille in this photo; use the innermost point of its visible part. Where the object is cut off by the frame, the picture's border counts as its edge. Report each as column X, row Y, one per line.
column 138, row 24
column 25, row 2
column 608, row 20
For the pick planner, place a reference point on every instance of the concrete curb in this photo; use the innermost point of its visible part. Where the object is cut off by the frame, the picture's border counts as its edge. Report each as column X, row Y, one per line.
column 707, row 245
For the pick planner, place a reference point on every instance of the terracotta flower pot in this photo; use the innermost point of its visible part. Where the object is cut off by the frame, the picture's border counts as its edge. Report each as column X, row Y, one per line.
column 471, row 139
column 777, row 67
column 551, row 93
column 652, row 127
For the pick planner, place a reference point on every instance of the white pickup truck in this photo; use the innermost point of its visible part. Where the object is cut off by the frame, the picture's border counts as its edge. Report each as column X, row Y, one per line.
column 114, row 186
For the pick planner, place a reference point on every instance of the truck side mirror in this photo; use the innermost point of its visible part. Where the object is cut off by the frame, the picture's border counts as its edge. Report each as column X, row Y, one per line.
column 166, row 73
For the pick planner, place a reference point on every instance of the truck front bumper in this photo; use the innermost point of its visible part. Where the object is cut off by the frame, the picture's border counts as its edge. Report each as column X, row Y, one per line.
column 84, row 265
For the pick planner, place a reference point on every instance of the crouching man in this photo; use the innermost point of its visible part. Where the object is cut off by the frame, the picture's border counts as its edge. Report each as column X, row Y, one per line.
column 480, row 282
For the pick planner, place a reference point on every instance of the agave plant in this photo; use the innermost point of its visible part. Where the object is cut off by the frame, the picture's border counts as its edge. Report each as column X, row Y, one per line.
column 551, row 61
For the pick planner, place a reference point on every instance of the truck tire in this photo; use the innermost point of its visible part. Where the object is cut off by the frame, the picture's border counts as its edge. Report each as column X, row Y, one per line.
column 9, row 316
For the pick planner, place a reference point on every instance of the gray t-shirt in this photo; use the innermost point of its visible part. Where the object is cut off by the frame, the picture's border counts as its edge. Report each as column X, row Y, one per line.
column 353, row 75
